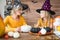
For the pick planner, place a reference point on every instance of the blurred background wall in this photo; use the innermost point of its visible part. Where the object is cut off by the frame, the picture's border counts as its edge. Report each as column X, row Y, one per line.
column 33, row 16
column 2, row 4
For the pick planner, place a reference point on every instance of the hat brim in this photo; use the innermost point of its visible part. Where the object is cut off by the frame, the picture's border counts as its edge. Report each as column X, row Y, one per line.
column 51, row 12
column 25, row 6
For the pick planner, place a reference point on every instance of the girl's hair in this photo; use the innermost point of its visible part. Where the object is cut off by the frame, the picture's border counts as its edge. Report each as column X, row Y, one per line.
column 15, row 9
column 49, row 15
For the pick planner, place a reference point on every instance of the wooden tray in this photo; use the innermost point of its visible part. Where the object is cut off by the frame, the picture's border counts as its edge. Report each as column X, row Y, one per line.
column 39, row 34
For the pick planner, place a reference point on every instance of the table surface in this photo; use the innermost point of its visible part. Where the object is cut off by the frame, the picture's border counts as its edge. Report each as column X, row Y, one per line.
column 27, row 36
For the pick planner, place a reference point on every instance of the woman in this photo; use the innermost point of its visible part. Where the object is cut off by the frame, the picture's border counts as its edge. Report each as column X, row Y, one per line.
column 15, row 20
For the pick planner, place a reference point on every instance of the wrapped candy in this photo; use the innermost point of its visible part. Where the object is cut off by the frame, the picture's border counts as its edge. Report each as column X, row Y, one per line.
column 25, row 28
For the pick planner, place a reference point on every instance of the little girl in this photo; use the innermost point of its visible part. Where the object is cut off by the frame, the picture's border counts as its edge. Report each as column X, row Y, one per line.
column 15, row 20
column 45, row 20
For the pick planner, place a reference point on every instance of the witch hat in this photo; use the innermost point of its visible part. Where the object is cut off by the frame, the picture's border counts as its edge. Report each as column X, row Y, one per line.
column 24, row 6
column 47, row 7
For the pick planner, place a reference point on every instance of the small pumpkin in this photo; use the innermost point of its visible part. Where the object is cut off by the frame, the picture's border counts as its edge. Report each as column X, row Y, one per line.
column 43, row 31
column 47, row 29
column 35, row 30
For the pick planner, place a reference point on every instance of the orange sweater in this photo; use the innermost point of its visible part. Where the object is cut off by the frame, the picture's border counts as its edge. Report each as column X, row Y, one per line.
column 13, row 24
column 47, row 23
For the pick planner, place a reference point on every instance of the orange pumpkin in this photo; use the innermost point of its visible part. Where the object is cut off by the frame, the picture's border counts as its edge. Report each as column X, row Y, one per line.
column 2, row 27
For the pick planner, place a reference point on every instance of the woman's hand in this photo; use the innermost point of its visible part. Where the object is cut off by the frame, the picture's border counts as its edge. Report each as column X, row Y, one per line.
column 18, row 29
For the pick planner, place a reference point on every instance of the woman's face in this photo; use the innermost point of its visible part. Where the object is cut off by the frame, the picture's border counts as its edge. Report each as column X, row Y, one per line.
column 18, row 12
column 43, row 14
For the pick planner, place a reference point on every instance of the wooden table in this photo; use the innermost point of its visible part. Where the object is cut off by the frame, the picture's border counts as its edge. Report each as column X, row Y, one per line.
column 27, row 36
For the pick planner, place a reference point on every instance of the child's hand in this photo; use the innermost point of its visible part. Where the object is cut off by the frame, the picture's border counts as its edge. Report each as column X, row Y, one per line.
column 35, row 26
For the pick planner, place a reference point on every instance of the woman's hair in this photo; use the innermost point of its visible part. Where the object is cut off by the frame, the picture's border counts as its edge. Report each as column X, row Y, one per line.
column 15, row 9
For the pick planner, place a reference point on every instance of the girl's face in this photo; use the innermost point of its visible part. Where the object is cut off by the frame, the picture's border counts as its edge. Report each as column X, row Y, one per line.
column 43, row 14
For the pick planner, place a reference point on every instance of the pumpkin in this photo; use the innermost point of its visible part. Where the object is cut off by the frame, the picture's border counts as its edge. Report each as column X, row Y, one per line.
column 48, row 29
column 2, row 27
column 43, row 31
column 35, row 30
